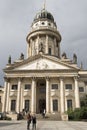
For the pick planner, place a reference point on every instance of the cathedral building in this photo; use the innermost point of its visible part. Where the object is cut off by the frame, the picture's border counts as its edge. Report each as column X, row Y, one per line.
column 45, row 79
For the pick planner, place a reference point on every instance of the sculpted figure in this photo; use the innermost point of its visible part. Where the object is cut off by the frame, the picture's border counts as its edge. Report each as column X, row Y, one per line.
column 74, row 58
column 64, row 55
column 9, row 60
column 41, row 48
column 22, row 56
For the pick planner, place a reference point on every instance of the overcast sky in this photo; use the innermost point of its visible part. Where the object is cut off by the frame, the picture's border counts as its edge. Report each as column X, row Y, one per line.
column 16, row 17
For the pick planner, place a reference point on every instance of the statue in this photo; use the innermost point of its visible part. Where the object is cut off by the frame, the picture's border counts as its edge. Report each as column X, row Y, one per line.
column 21, row 56
column 64, row 55
column 41, row 47
column 9, row 60
column 74, row 58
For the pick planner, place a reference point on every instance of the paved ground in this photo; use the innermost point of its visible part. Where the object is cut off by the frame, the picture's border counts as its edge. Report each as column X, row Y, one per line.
column 44, row 125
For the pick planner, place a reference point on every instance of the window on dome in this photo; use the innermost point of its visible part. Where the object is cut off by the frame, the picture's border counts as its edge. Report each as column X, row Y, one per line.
column 56, row 44
column 49, row 24
column 43, row 23
column 36, row 24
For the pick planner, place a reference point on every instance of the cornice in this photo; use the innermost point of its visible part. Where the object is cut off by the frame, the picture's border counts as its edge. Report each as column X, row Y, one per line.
column 32, row 58
column 44, row 30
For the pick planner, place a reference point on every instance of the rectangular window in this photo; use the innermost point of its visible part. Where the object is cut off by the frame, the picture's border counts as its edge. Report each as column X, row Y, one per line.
column 54, row 86
column 14, row 87
column 49, row 51
column 27, row 103
column 69, row 86
column 57, row 44
column 0, row 99
column 13, row 105
column 55, row 105
column 27, row 86
column 81, row 89
column 69, row 103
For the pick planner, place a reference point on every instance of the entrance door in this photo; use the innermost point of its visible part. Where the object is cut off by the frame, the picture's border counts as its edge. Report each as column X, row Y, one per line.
column 40, row 95
column 42, row 105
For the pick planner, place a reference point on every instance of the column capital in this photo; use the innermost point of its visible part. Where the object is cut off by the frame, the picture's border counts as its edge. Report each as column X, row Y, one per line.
column 48, row 78
column 76, row 78
column 33, row 78
column 20, row 79
column 61, row 78
column 7, row 79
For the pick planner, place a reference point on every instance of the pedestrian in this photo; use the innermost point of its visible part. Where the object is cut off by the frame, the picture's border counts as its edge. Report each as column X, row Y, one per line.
column 34, row 122
column 28, row 121
column 44, row 112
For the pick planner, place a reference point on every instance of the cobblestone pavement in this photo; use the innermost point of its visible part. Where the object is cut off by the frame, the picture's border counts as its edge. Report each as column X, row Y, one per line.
column 43, row 125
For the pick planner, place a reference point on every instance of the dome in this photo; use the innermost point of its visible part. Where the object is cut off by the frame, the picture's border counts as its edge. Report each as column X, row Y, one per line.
column 44, row 14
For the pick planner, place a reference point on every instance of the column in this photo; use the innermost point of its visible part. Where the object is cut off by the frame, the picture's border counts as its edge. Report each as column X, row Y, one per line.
column 62, row 95
column 46, row 44
column 5, row 96
column 18, row 96
column 85, row 87
column 8, row 94
column 47, row 96
column 21, row 102
column 33, row 96
column 38, row 38
column 28, row 50
column 77, row 99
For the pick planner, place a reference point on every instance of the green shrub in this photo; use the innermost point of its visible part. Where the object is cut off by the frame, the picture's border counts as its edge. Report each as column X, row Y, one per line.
column 77, row 114
column 70, row 114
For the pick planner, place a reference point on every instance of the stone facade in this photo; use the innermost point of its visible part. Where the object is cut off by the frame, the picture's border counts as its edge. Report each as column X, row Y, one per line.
column 1, row 97
column 44, row 80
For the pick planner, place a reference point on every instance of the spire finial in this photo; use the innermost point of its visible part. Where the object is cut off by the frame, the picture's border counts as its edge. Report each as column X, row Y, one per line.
column 44, row 6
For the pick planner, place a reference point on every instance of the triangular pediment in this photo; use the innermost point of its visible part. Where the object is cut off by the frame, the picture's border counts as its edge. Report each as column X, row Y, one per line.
column 42, row 62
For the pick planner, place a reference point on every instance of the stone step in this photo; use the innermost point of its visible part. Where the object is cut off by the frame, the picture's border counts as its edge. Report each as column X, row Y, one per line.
column 55, row 117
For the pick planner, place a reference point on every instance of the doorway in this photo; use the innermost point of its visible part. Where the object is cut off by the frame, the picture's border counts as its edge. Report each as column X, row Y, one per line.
column 42, row 105
column 40, row 96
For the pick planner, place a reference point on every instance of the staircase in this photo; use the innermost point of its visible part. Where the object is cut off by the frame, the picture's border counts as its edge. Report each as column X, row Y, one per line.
column 54, row 117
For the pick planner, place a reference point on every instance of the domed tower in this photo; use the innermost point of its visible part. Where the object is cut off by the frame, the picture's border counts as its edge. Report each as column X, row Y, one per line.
column 44, row 36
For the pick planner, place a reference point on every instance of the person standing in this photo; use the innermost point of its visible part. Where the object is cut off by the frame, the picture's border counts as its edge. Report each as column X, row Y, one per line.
column 34, row 122
column 28, row 121
column 44, row 112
